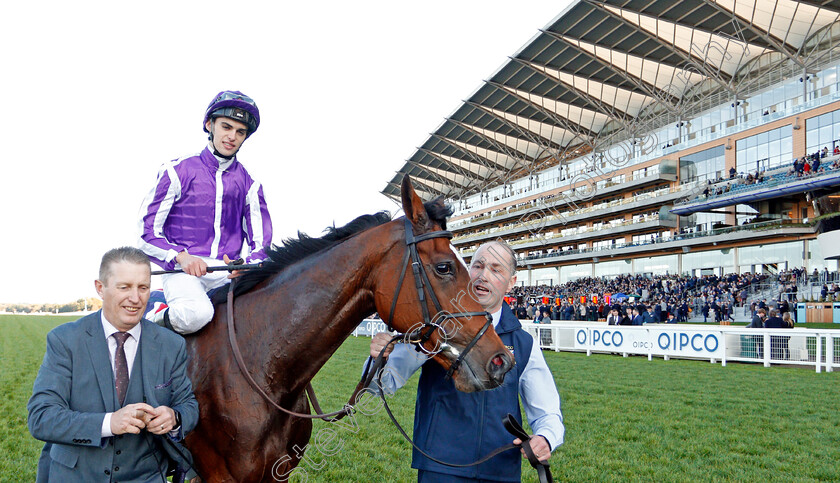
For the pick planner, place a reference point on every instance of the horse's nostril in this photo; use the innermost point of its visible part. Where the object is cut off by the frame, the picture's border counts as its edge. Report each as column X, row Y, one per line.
column 498, row 361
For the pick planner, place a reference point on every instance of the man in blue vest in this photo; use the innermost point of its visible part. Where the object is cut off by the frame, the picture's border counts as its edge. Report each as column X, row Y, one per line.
column 443, row 414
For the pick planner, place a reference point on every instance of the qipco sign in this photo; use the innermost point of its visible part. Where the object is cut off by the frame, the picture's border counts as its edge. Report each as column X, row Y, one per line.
column 685, row 343
column 688, row 343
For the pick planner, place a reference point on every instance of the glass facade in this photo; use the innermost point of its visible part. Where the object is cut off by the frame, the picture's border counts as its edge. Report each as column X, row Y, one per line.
column 668, row 264
column 708, row 164
column 614, row 268
column 785, row 255
column 822, row 131
column 694, row 262
column 570, row 273
column 773, row 103
column 764, row 151
column 816, row 259
column 757, row 259
column 544, row 276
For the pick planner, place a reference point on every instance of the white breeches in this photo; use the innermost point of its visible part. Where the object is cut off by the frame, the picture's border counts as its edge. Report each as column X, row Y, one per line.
column 189, row 307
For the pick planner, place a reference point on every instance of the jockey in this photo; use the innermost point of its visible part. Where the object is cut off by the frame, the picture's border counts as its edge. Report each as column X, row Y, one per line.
column 203, row 209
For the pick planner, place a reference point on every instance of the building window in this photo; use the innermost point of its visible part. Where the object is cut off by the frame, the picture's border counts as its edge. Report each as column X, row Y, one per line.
column 764, row 151
column 822, row 131
column 705, row 165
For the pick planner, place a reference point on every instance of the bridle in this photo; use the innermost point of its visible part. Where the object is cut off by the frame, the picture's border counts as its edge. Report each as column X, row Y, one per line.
column 418, row 336
column 421, row 335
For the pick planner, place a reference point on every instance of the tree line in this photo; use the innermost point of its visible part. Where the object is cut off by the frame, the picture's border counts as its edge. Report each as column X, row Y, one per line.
column 91, row 303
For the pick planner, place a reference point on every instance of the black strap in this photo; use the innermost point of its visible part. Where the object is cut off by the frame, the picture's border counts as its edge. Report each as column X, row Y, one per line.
column 237, row 354
column 455, row 365
column 542, row 467
column 408, row 438
column 399, row 287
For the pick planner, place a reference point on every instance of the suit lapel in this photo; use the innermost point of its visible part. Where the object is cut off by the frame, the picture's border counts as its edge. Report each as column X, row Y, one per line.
column 97, row 348
column 149, row 360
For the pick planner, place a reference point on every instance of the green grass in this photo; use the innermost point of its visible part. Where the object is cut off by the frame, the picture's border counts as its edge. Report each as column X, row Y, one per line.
column 22, row 345
column 627, row 419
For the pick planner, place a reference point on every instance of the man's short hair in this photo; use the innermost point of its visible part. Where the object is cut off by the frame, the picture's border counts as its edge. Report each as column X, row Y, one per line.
column 505, row 247
column 761, row 311
column 118, row 255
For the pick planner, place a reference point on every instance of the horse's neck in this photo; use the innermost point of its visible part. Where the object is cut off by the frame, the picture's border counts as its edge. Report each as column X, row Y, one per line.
column 302, row 316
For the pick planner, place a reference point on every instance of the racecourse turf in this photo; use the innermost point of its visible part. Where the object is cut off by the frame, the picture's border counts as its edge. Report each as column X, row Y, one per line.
column 627, row 419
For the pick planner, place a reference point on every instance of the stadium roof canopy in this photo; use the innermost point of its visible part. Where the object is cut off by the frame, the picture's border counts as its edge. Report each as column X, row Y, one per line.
column 603, row 70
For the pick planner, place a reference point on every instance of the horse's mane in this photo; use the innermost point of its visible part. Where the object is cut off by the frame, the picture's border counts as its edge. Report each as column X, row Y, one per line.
column 296, row 249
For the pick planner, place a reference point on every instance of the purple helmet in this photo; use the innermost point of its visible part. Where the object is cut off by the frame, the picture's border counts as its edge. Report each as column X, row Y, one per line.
column 235, row 105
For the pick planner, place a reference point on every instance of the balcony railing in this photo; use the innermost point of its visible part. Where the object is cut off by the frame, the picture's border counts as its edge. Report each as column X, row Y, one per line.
column 752, row 227
column 777, row 177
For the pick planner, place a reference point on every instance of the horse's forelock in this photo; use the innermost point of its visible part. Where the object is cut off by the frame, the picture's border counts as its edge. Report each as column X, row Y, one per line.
column 438, row 211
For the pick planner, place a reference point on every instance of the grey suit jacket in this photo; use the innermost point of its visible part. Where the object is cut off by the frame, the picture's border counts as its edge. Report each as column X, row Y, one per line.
column 75, row 388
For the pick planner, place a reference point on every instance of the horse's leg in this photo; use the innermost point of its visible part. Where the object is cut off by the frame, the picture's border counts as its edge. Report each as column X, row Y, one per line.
column 212, row 465
column 285, row 447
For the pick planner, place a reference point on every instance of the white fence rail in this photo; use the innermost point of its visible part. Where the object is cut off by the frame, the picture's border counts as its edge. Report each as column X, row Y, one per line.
column 682, row 341
column 810, row 347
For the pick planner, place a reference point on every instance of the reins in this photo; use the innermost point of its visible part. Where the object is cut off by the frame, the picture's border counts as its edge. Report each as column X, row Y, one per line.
column 421, row 281
column 223, row 268
column 310, row 392
column 509, row 422
column 417, row 337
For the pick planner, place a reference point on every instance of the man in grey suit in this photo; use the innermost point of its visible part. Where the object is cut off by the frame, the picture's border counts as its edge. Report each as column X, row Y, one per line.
column 112, row 400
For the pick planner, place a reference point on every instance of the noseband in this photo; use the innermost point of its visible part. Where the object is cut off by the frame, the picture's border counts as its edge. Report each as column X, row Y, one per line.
column 421, row 282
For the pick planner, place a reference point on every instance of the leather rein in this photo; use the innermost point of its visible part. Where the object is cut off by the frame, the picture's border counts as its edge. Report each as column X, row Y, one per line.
column 417, row 337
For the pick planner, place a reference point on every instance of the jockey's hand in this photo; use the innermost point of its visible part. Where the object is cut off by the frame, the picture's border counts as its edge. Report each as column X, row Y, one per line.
column 378, row 342
column 234, row 273
column 191, row 265
column 539, row 445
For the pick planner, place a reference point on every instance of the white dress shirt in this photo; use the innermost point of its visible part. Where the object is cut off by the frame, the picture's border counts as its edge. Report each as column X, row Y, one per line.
column 130, row 348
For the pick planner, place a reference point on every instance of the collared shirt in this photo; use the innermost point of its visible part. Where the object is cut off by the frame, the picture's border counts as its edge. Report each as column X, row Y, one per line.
column 130, row 348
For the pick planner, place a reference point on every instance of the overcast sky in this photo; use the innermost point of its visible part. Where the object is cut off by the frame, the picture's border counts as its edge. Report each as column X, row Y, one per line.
column 99, row 94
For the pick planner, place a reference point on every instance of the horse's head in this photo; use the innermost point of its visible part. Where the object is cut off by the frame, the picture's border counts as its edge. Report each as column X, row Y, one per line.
column 433, row 301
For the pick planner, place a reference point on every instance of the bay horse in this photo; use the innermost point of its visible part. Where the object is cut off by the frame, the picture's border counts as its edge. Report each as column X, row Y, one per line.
column 298, row 308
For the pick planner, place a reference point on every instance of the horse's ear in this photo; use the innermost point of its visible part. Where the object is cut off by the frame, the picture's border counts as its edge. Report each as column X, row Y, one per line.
column 413, row 206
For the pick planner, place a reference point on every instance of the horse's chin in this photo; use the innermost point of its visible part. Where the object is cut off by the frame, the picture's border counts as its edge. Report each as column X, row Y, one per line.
column 466, row 379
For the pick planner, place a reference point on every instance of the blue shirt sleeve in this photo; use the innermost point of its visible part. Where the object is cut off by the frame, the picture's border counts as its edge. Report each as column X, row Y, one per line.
column 541, row 400
column 403, row 362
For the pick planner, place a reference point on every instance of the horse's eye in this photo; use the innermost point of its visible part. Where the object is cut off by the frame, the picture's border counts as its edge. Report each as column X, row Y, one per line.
column 444, row 268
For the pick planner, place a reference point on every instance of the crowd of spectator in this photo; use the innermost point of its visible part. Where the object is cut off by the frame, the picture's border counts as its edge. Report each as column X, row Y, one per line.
column 667, row 298
column 655, row 299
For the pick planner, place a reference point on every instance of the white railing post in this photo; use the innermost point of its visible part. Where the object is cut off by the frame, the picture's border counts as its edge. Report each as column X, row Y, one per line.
column 829, row 352
column 819, row 352
column 765, row 342
column 723, row 348
column 650, row 350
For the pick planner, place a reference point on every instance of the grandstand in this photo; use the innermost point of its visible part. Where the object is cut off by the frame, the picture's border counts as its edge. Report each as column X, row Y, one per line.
column 652, row 138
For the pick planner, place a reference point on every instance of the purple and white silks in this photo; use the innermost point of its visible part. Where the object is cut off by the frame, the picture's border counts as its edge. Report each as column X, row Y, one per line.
column 208, row 211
